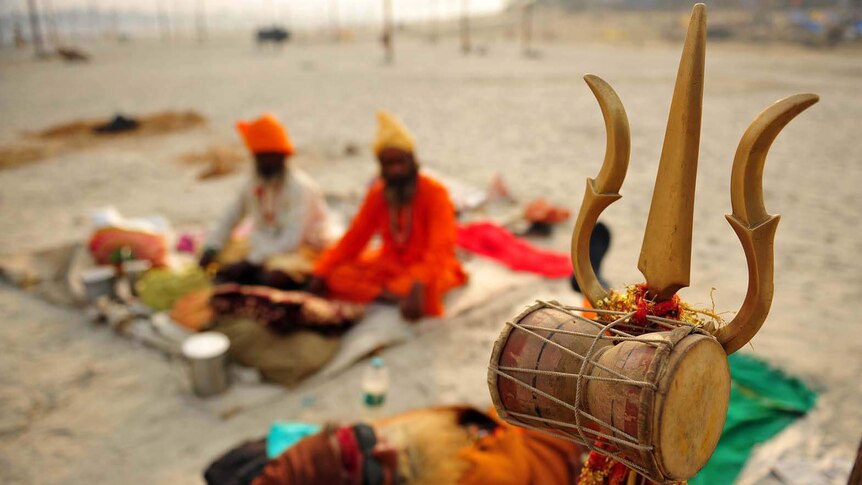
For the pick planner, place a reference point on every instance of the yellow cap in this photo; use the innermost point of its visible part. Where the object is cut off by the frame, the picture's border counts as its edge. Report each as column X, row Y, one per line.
column 391, row 133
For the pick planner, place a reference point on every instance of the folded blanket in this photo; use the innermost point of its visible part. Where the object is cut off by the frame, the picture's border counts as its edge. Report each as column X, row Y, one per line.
column 283, row 311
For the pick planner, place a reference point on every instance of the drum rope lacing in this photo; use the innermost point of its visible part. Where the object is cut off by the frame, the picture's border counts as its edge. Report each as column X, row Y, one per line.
column 610, row 331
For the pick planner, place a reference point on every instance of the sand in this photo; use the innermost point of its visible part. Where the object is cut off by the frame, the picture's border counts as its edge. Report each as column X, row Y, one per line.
column 79, row 405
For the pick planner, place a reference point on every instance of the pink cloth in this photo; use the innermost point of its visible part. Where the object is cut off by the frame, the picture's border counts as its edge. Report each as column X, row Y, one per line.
column 495, row 242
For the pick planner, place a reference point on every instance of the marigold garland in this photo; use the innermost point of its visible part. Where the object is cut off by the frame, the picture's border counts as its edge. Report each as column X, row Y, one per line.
column 635, row 298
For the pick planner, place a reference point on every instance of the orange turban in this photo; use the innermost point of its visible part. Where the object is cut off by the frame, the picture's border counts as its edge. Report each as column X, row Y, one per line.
column 265, row 134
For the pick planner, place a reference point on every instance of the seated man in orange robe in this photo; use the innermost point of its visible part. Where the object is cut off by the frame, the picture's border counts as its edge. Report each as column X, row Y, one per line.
column 415, row 219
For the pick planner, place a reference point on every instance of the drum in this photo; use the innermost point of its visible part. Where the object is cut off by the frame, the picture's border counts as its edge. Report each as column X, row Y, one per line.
column 655, row 401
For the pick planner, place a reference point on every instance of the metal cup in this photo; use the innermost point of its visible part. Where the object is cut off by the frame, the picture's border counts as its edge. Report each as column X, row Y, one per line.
column 98, row 282
column 207, row 357
column 133, row 270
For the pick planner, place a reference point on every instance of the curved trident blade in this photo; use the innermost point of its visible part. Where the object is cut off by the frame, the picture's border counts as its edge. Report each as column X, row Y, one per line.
column 752, row 224
column 604, row 189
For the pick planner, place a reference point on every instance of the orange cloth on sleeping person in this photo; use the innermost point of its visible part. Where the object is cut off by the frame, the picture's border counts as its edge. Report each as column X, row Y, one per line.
column 517, row 456
column 428, row 255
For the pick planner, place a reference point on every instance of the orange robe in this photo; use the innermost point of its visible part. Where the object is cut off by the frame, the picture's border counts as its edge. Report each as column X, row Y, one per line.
column 427, row 255
column 517, row 456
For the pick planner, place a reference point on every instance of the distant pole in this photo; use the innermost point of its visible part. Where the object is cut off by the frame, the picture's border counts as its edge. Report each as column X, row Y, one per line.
column 201, row 21
column 435, row 21
column 333, row 12
column 164, row 25
column 527, row 27
column 465, row 27
column 18, row 36
column 51, row 20
column 288, row 16
column 35, row 32
column 115, row 24
column 93, row 14
column 77, row 19
column 388, row 32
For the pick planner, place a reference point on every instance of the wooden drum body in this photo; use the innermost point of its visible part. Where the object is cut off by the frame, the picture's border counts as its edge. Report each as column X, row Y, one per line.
column 656, row 402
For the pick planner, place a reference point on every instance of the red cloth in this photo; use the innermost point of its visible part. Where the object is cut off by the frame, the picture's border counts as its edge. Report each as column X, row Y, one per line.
column 354, row 273
column 666, row 309
column 493, row 241
column 350, row 454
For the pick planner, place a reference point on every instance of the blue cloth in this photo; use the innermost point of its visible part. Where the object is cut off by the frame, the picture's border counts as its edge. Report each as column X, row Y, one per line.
column 283, row 435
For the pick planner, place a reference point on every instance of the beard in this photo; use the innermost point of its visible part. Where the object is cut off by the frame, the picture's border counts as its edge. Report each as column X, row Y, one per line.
column 400, row 189
column 270, row 172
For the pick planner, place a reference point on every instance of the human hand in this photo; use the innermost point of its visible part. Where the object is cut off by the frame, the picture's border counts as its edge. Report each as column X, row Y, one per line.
column 413, row 305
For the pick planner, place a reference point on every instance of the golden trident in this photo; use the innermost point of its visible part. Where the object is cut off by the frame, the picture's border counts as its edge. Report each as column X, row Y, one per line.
column 665, row 258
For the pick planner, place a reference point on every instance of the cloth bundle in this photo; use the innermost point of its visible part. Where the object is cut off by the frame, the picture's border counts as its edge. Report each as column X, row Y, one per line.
column 283, row 311
column 160, row 289
column 193, row 311
column 541, row 211
column 286, row 359
column 239, row 466
column 106, row 244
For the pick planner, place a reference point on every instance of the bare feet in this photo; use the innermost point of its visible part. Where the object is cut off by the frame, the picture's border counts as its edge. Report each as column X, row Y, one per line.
column 412, row 306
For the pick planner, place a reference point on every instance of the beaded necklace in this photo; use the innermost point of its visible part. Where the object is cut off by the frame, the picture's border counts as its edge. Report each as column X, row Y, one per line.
column 400, row 223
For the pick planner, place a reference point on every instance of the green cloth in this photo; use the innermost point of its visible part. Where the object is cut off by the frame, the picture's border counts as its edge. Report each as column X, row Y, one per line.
column 763, row 401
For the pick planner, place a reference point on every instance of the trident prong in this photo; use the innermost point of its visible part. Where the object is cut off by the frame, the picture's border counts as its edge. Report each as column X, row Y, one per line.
column 604, row 189
column 666, row 252
column 665, row 259
column 752, row 224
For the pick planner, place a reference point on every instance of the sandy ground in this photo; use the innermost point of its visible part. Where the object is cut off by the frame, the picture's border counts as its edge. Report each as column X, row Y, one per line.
column 79, row 405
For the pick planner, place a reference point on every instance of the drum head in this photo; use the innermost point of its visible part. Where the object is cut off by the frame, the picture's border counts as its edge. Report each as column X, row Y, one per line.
column 691, row 406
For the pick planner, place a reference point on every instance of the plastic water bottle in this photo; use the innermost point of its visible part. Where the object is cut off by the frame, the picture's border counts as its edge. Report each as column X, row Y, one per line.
column 375, row 383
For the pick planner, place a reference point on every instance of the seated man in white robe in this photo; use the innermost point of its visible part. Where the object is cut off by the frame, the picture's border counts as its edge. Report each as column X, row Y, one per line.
column 288, row 212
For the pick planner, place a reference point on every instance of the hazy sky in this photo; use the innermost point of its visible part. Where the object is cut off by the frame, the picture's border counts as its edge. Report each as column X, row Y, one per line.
column 295, row 12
